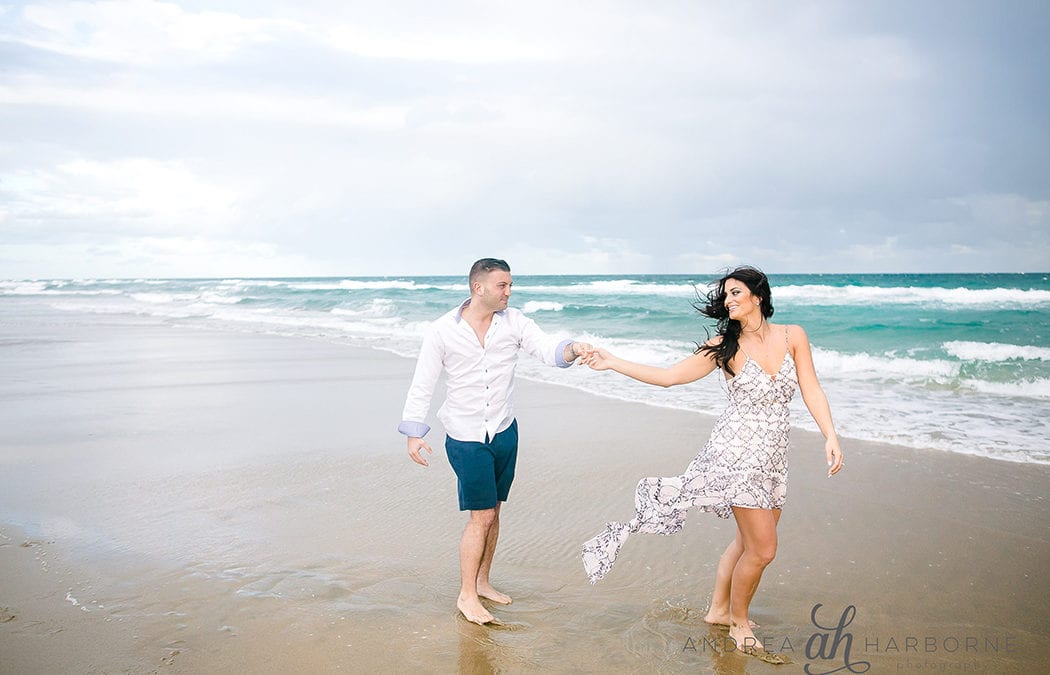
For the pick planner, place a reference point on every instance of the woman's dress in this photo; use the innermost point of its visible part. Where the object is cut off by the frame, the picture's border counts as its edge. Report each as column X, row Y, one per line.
column 744, row 464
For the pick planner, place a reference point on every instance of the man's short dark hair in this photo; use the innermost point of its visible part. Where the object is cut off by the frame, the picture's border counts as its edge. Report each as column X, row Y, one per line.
column 484, row 266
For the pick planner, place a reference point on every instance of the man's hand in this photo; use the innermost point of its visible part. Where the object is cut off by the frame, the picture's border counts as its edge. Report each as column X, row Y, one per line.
column 415, row 445
column 579, row 349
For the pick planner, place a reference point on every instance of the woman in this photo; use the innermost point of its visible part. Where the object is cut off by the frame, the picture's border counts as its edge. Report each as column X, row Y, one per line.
column 742, row 471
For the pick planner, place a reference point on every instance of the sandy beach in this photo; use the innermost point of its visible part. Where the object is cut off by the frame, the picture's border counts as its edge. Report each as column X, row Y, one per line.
column 189, row 501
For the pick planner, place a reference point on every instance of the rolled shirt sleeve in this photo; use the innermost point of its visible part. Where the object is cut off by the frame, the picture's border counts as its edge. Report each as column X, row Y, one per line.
column 559, row 354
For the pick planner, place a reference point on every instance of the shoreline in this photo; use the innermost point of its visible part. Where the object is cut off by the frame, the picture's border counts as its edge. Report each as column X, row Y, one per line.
column 217, row 500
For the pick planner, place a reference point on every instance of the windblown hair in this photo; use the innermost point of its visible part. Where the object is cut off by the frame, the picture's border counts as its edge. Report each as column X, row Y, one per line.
column 713, row 306
column 484, row 266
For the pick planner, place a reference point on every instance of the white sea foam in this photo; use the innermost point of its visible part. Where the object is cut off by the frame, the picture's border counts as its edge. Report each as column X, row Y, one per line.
column 219, row 298
column 1034, row 388
column 23, row 287
column 379, row 307
column 161, row 298
column 805, row 294
column 910, row 295
column 372, row 285
column 541, row 306
column 995, row 351
column 612, row 287
column 867, row 366
column 818, row 294
column 265, row 283
column 26, row 288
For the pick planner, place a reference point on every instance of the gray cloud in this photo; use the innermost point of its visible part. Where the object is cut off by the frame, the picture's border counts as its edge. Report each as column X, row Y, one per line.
column 334, row 138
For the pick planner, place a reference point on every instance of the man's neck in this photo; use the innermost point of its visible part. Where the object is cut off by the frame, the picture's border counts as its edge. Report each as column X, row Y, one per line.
column 475, row 312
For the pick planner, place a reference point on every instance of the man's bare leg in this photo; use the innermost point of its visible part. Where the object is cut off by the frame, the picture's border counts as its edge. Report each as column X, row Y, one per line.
column 485, row 588
column 471, row 552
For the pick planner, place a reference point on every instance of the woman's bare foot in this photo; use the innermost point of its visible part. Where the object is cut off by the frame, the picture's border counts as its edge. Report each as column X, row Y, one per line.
column 722, row 619
column 474, row 611
column 490, row 593
column 744, row 638
column 747, row 643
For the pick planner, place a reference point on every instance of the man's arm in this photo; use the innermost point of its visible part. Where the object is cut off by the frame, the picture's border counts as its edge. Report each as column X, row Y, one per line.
column 547, row 349
column 417, row 403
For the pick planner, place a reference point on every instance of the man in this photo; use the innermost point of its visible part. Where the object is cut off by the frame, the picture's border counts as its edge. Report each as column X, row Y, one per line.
column 477, row 345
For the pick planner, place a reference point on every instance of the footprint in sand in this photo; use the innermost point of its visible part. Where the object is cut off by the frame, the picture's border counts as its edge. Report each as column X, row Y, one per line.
column 30, row 543
column 6, row 615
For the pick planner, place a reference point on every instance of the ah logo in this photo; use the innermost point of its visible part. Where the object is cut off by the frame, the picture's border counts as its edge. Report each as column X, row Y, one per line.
column 825, row 645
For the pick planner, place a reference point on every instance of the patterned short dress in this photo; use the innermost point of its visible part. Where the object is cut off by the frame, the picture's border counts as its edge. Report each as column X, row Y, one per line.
column 744, row 463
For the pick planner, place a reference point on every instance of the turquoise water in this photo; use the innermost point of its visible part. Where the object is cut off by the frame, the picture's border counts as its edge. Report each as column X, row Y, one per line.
column 954, row 362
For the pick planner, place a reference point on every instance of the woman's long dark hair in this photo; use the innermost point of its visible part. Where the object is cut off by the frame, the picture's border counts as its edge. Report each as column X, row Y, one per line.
column 714, row 307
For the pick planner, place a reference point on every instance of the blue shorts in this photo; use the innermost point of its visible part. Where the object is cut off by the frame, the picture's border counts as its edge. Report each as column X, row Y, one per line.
column 485, row 470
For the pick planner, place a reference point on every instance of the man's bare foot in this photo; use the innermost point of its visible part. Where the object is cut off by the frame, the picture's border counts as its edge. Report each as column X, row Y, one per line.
column 490, row 593
column 474, row 611
column 722, row 619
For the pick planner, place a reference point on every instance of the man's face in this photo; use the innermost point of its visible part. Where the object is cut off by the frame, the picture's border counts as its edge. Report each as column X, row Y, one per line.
column 494, row 290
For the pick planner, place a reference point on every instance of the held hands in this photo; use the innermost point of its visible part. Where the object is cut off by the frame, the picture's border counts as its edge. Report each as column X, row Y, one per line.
column 599, row 359
column 415, row 448
column 586, row 354
column 580, row 351
column 834, row 455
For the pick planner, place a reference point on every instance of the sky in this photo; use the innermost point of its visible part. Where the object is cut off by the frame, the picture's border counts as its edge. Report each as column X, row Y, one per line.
column 141, row 138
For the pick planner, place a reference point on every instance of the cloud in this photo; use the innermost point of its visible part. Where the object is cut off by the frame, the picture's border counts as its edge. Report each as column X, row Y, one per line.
column 149, row 32
column 140, row 32
column 1011, row 212
column 673, row 137
column 134, row 194
column 591, row 255
column 463, row 46
column 190, row 103
column 157, row 257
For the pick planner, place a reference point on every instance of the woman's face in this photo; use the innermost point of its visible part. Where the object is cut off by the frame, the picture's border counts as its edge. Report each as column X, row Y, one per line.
column 740, row 301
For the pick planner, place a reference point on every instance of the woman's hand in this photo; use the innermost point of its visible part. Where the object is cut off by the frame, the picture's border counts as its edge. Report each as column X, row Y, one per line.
column 834, row 455
column 599, row 359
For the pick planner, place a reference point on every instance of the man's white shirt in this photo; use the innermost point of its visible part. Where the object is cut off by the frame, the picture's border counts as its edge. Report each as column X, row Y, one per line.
column 480, row 378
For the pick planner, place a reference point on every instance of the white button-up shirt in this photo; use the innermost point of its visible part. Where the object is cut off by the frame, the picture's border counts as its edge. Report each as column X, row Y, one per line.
column 480, row 379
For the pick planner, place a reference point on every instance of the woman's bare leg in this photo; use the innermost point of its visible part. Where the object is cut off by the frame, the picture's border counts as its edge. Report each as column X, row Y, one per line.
column 757, row 529
column 719, row 610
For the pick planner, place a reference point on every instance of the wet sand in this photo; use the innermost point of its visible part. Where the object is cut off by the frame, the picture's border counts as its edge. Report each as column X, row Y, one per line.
column 182, row 500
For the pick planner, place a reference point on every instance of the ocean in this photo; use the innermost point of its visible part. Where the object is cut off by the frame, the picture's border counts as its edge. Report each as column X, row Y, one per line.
column 949, row 362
